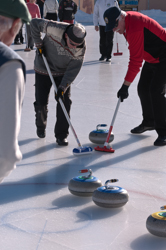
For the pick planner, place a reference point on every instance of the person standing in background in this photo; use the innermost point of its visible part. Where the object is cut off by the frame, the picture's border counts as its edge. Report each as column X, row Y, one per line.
column 51, row 10
column 35, row 12
column 41, row 4
column 106, row 38
column 88, row 6
column 67, row 11
column 12, row 84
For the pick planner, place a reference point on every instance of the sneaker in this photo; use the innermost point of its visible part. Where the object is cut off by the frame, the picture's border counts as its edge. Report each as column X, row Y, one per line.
column 41, row 133
column 102, row 58
column 160, row 141
column 108, row 60
column 62, row 142
column 27, row 49
column 17, row 43
column 141, row 128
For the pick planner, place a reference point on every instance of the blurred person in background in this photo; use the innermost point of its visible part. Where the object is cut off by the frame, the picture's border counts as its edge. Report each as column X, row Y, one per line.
column 13, row 13
column 51, row 10
column 106, row 38
column 35, row 13
column 67, row 11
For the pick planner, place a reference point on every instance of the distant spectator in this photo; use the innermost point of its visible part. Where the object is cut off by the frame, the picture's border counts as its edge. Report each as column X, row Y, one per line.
column 41, row 4
column 35, row 13
column 19, row 39
column 67, row 10
column 87, row 4
column 51, row 9
column 106, row 38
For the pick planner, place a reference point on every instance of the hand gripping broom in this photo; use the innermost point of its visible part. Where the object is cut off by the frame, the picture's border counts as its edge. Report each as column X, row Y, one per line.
column 105, row 148
column 76, row 151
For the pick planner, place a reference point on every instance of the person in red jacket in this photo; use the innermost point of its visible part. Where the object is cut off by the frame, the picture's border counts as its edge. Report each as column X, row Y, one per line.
column 147, row 42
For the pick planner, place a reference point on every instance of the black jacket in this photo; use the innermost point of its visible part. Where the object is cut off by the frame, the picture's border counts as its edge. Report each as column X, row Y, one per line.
column 67, row 9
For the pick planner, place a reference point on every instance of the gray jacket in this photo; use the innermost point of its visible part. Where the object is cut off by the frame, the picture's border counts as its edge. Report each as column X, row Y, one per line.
column 61, row 59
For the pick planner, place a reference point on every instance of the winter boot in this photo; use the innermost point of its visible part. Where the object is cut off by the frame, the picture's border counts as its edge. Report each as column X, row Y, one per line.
column 41, row 119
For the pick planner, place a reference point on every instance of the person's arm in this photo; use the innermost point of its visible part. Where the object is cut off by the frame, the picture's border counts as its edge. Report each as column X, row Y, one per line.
column 44, row 10
column 56, row 5
column 96, row 16
column 60, row 11
column 75, row 8
column 38, row 26
column 38, row 12
column 12, row 86
column 136, row 49
column 72, row 70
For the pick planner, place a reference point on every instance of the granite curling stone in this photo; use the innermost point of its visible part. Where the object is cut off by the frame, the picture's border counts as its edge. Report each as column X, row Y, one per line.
column 110, row 196
column 84, row 185
column 156, row 223
column 99, row 136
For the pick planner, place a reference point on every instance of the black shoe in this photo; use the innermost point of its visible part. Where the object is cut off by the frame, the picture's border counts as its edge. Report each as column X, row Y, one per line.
column 62, row 142
column 160, row 141
column 31, row 48
column 41, row 133
column 108, row 60
column 102, row 58
column 140, row 129
column 17, row 43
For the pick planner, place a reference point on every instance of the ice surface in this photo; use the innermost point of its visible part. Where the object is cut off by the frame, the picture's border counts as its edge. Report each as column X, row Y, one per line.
column 37, row 210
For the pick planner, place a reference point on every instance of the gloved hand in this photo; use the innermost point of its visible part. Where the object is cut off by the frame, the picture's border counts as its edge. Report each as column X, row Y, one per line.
column 123, row 92
column 41, row 51
column 60, row 93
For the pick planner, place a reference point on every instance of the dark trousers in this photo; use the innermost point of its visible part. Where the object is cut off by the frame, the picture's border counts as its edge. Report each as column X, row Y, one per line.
column 19, row 37
column 42, row 90
column 30, row 41
column 51, row 16
column 106, row 42
column 151, row 91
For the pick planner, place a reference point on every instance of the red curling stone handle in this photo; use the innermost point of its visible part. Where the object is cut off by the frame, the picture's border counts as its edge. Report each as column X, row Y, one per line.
column 83, row 171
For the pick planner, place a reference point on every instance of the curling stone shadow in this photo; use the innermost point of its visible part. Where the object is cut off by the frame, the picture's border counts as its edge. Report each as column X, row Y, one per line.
column 119, row 159
column 130, row 140
column 99, row 213
column 71, row 201
column 148, row 242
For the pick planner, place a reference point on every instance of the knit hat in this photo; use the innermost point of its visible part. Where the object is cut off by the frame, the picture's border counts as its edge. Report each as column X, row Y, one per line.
column 15, row 9
column 72, row 36
column 110, row 16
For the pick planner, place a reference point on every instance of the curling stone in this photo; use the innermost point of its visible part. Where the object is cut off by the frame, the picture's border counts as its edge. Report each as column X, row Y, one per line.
column 84, row 185
column 99, row 136
column 156, row 223
column 110, row 196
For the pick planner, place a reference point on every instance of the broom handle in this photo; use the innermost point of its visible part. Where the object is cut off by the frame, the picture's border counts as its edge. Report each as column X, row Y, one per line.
column 117, row 48
column 112, row 123
column 60, row 100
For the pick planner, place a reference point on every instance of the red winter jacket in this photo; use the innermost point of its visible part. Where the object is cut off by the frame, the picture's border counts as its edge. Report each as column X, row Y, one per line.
column 147, row 41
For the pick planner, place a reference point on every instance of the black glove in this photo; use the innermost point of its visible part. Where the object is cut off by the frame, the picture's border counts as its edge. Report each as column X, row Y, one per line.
column 60, row 93
column 41, row 51
column 123, row 92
